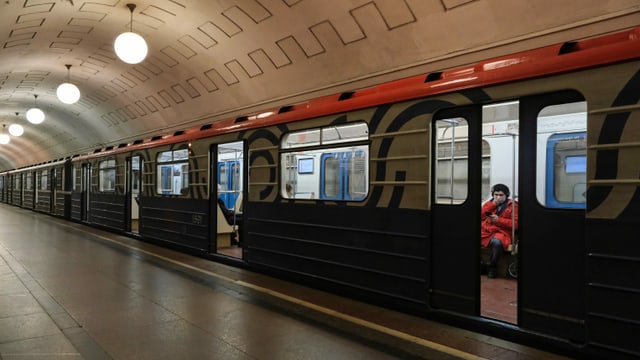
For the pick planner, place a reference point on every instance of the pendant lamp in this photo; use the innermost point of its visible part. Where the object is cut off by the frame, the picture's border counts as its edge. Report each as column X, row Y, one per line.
column 35, row 115
column 4, row 138
column 129, row 46
column 67, row 92
column 16, row 129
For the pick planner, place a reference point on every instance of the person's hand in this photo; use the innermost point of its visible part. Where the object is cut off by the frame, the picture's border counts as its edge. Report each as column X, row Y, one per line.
column 493, row 218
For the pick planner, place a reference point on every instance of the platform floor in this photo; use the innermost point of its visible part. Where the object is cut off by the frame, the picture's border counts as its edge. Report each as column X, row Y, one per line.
column 69, row 291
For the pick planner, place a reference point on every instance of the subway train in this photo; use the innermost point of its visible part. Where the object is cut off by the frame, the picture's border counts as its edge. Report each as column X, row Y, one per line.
column 376, row 193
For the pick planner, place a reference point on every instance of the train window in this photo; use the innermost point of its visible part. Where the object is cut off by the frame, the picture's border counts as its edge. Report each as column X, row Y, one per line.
column 301, row 139
column 173, row 172
column 107, row 179
column 28, row 181
column 44, row 179
column 328, row 135
column 305, row 166
column 356, row 176
column 576, row 164
column 135, row 174
column 452, row 153
column 59, row 178
column 323, row 170
column 562, row 156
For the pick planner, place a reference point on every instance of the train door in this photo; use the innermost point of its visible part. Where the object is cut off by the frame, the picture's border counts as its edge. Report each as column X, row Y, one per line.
column 537, row 147
column 552, row 215
column 134, row 184
column 86, row 186
column 29, row 189
column 19, row 189
column 455, row 210
column 227, row 194
column 37, row 188
column 10, row 188
column 475, row 147
column 56, row 178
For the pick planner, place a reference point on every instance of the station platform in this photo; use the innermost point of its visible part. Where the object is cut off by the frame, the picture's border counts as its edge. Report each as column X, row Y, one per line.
column 69, row 291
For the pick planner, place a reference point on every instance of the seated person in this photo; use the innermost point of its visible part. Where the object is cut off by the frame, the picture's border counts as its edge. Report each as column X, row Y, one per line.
column 232, row 217
column 497, row 224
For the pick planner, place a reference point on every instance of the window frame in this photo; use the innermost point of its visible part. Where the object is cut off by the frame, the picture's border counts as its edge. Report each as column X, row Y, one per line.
column 172, row 165
column 107, row 175
column 343, row 142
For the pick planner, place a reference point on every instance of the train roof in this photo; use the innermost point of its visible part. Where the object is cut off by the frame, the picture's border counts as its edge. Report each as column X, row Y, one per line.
column 47, row 164
column 560, row 58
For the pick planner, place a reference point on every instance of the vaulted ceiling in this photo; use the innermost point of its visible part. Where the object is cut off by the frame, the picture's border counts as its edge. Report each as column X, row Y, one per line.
column 214, row 59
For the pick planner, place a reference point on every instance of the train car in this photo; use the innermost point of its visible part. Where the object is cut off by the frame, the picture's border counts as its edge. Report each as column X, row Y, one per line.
column 161, row 192
column 98, row 195
column 376, row 193
column 43, row 188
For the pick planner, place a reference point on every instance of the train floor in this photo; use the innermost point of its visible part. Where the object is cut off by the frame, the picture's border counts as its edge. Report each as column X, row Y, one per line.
column 69, row 291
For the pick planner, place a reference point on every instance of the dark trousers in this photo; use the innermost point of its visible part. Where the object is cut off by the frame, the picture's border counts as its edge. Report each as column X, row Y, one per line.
column 496, row 248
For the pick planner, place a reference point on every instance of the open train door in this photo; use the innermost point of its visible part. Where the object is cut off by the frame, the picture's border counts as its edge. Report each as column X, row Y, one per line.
column 455, row 210
column 552, row 215
column 226, row 200
column 134, row 184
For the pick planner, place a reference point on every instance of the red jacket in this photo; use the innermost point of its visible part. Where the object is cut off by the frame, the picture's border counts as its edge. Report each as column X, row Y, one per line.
column 501, row 230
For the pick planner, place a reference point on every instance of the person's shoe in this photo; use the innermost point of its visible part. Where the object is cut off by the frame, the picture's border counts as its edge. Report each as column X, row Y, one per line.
column 491, row 273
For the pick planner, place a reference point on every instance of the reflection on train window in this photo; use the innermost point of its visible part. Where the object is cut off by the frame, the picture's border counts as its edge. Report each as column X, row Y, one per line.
column 107, row 175
column 562, row 156
column 44, row 180
column 452, row 154
column 173, row 172
column 318, row 169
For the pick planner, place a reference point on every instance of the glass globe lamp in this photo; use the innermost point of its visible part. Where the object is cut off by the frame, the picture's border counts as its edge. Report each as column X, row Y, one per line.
column 130, row 47
column 16, row 130
column 35, row 115
column 68, row 93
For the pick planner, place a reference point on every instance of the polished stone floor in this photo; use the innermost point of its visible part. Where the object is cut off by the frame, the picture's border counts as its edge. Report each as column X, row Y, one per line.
column 64, row 297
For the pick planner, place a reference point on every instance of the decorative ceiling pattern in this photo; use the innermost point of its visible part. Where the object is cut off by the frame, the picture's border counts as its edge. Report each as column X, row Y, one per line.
column 210, row 60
